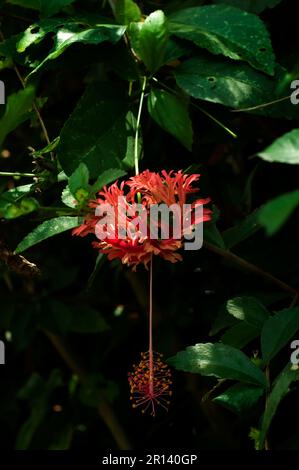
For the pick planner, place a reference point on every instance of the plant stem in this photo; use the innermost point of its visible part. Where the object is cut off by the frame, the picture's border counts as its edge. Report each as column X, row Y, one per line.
column 294, row 300
column 17, row 17
column 197, row 107
column 136, row 162
column 150, row 315
column 35, row 107
column 267, row 373
column 104, row 408
column 111, row 3
column 36, row 110
column 9, row 173
column 250, row 267
column 58, row 209
column 264, row 105
column 215, row 120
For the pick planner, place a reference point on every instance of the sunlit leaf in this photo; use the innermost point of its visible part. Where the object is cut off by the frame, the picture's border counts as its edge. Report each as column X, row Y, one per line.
column 218, row 360
column 47, row 229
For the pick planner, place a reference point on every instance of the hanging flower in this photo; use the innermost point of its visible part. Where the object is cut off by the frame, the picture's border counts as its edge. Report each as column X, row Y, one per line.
column 150, row 383
column 138, row 246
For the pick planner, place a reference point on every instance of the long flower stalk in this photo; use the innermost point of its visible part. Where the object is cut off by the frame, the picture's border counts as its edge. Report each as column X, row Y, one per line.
column 136, row 156
column 150, row 379
column 151, row 366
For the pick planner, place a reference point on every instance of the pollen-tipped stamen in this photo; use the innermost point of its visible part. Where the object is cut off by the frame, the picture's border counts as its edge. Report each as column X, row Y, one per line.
column 150, row 383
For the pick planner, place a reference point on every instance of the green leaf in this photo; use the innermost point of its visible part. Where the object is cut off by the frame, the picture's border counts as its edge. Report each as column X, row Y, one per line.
column 8, row 48
column 72, row 33
column 218, row 360
column 47, row 149
column 280, row 389
column 124, row 63
column 101, row 259
column 61, row 438
column 249, row 310
column 32, row 4
column 96, row 133
column 254, row 435
column 62, row 177
column 127, row 11
column 87, row 320
column 68, row 199
column 149, row 40
column 32, row 388
column 240, row 398
column 240, row 334
column 240, row 232
column 79, row 179
column 36, row 32
column 222, row 320
column 278, row 331
column 46, row 7
column 255, row 7
column 107, row 177
column 225, row 30
column 61, row 317
column 38, row 393
column 171, row 113
column 16, row 112
column 276, row 212
column 285, row 149
column 50, row 7
column 5, row 63
column 96, row 389
column 17, row 209
column 175, row 49
column 212, row 235
column 14, row 194
column 47, row 229
column 15, row 203
column 247, row 198
column 224, row 82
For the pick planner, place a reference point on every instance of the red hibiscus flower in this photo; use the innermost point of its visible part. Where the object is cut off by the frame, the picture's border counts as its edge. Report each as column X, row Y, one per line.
column 137, row 246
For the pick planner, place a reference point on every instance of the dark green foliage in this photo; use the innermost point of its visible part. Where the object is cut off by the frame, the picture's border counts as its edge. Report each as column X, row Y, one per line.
column 94, row 88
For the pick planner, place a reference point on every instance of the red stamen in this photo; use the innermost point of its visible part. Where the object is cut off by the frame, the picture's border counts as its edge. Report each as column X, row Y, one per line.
column 150, row 383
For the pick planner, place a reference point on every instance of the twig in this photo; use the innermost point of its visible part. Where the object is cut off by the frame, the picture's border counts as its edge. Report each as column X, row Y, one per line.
column 219, row 123
column 34, row 105
column 104, row 408
column 259, row 106
column 111, row 3
column 17, row 17
column 16, row 173
column 294, row 300
column 212, row 390
column 17, row 263
column 251, row 267
column 36, row 110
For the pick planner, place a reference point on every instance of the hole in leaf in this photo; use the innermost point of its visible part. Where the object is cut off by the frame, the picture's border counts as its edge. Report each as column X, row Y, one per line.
column 212, row 79
column 262, row 49
column 35, row 30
